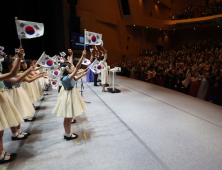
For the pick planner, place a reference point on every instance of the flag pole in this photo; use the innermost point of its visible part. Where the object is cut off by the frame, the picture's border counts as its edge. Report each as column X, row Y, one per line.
column 20, row 40
column 85, row 39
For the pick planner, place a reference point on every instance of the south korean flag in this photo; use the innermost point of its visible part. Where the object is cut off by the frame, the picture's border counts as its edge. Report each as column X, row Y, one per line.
column 54, row 83
column 27, row 29
column 96, row 67
column 92, row 38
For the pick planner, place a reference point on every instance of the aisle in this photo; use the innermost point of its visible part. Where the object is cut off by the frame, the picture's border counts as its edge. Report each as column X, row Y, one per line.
column 145, row 127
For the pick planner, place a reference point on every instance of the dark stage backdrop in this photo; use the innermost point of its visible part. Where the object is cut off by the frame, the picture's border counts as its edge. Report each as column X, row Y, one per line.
column 48, row 12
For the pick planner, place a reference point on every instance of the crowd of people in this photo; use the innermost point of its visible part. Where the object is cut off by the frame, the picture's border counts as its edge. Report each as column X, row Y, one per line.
column 209, row 8
column 193, row 68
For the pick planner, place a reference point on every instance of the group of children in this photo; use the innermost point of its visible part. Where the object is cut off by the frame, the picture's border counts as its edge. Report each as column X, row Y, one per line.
column 20, row 88
column 22, row 84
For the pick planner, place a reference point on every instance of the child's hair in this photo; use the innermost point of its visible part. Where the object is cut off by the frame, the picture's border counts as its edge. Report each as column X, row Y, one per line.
column 5, row 65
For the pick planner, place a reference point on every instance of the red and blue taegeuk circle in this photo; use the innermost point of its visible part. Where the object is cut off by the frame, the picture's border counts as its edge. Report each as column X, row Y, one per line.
column 99, row 67
column 56, row 73
column 58, row 58
column 93, row 39
column 30, row 30
column 49, row 63
column 85, row 61
column 54, row 83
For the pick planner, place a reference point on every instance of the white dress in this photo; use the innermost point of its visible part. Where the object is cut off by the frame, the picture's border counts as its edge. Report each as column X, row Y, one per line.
column 70, row 102
column 21, row 101
column 104, row 72
column 9, row 115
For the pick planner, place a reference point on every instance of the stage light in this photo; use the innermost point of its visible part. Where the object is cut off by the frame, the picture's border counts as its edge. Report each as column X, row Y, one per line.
column 158, row 2
column 218, row 26
column 174, row 29
column 194, row 28
column 146, row 27
column 164, row 32
column 134, row 25
column 160, row 29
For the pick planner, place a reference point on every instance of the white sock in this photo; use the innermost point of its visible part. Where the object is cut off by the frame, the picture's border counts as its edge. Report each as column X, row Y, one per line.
column 7, row 154
column 2, row 156
column 15, row 134
column 19, row 131
column 6, row 157
column 65, row 134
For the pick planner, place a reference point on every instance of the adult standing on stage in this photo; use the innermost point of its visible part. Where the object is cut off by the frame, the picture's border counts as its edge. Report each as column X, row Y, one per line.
column 90, row 75
column 95, row 74
column 104, row 72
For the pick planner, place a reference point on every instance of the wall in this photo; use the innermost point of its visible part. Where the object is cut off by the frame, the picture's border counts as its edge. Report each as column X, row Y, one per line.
column 105, row 17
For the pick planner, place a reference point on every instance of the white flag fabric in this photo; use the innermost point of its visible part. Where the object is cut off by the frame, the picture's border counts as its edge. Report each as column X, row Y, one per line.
column 92, row 38
column 46, row 61
column 54, row 83
column 58, row 59
column 16, row 50
column 96, row 67
column 27, row 29
column 1, row 52
column 1, row 48
column 54, row 70
column 85, row 62
column 91, row 50
column 96, row 48
column 63, row 54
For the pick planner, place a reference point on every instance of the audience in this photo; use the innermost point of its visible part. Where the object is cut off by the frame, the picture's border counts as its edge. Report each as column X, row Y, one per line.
column 213, row 7
column 194, row 69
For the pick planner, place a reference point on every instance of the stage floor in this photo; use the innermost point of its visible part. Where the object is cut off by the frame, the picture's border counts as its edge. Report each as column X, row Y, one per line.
column 145, row 127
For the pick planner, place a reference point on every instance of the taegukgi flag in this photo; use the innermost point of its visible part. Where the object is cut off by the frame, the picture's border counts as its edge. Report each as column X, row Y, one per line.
column 92, row 38
column 58, row 59
column 16, row 50
column 27, row 29
column 54, row 83
column 46, row 61
column 1, row 48
column 85, row 62
column 96, row 67
column 63, row 54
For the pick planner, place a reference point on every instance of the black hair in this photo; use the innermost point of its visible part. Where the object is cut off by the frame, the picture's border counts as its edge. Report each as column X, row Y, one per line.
column 5, row 65
column 65, row 73
column 21, row 68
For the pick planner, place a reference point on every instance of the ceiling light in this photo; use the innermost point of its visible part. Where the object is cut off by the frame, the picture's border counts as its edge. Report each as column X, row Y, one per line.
column 160, row 29
column 218, row 26
column 174, row 29
column 158, row 2
column 194, row 28
column 134, row 25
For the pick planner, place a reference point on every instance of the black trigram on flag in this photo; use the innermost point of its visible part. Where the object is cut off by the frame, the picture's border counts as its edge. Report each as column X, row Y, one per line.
column 36, row 27
column 23, row 34
column 46, row 58
column 43, row 63
column 22, row 25
column 55, row 63
column 97, row 37
column 37, row 35
column 89, row 41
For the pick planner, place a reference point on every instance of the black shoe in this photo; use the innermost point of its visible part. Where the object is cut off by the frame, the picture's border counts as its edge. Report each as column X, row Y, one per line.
column 96, row 85
column 37, row 108
column 70, row 138
column 17, row 138
column 27, row 120
column 42, row 99
column 74, row 121
column 98, row 80
column 2, row 161
column 12, row 155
